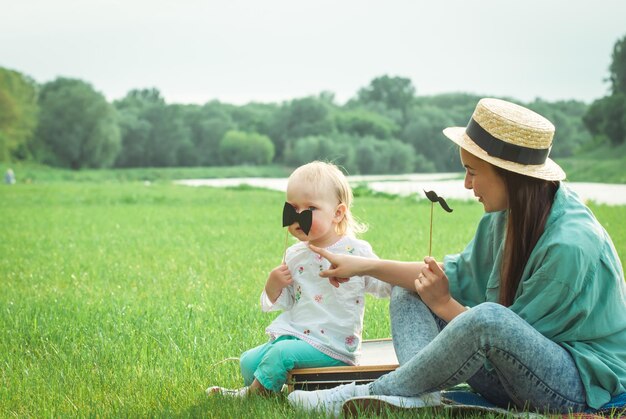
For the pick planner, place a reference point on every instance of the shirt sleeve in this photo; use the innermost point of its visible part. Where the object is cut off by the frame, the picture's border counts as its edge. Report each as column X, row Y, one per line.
column 284, row 301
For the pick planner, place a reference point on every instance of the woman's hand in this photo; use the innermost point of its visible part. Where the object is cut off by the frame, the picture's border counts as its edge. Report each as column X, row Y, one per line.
column 342, row 267
column 432, row 285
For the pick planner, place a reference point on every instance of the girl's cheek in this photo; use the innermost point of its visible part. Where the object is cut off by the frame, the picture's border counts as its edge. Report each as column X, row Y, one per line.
column 317, row 226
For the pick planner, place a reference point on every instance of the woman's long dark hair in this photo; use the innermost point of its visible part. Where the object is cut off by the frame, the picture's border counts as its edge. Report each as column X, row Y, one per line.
column 530, row 201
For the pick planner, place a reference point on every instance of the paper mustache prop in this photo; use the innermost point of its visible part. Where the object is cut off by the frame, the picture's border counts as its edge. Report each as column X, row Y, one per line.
column 290, row 216
column 433, row 197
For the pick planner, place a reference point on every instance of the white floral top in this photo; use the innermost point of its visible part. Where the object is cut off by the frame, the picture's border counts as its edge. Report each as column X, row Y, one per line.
column 328, row 318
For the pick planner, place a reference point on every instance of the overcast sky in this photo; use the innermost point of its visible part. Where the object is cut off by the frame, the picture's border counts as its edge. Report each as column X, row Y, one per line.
column 237, row 51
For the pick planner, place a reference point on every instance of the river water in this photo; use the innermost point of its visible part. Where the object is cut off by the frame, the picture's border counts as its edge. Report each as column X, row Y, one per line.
column 447, row 185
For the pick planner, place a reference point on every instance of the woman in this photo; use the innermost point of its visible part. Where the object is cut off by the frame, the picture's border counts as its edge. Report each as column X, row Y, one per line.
column 532, row 314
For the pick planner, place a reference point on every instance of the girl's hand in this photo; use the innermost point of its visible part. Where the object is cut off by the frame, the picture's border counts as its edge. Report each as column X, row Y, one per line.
column 432, row 285
column 342, row 267
column 279, row 278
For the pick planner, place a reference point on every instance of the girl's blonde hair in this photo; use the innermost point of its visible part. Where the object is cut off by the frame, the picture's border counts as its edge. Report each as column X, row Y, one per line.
column 319, row 175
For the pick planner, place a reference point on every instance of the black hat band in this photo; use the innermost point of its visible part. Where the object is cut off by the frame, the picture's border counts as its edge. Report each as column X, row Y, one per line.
column 503, row 150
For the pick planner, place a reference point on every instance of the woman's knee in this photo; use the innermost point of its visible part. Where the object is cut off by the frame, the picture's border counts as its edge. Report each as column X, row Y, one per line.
column 486, row 319
column 488, row 311
column 401, row 298
column 399, row 293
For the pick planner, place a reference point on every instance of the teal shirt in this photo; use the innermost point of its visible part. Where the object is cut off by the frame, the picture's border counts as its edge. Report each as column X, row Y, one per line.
column 572, row 289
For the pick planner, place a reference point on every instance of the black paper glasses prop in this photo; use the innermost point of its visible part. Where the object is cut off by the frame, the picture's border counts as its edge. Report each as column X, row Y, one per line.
column 432, row 197
column 290, row 216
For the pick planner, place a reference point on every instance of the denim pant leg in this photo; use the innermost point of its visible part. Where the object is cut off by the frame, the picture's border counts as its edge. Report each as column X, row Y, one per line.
column 413, row 326
column 534, row 372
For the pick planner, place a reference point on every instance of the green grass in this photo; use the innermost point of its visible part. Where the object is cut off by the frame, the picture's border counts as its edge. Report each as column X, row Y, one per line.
column 118, row 299
column 603, row 164
column 28, row 172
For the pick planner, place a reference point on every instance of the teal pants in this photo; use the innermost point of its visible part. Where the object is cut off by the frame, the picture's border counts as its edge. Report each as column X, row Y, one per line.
column 271, row 362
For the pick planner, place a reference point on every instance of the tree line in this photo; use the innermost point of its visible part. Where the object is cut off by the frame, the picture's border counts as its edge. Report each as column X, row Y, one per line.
column 606, row 117
column 385, row 128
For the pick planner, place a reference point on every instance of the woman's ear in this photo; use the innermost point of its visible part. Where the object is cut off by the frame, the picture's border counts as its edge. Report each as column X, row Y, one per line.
column 340, row 212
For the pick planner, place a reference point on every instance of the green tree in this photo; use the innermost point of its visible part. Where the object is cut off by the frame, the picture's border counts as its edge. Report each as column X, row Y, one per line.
column 153, row 133
column 457, row 106
column 336, row 148
column 135, row 133
column 77, row 125
column 239, row 147
column 18, row 114
column 301, row 118
column 139, row 112
column 375, row 156
column 174, row 137
column 363, row 123
column 208, row 126
column 402, row 158
column 567, row 117
column 424, row 133
column 617, row 68
column 254, row 117
column 606, row 117
column 396, row 93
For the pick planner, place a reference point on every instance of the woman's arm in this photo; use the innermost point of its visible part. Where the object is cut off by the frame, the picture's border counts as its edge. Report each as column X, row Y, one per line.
column 426, row 278
column 342, row 267
column 432, row 285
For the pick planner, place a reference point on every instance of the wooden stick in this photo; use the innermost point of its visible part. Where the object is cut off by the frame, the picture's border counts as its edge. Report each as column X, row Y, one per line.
column 430, row 243
column 285, row 248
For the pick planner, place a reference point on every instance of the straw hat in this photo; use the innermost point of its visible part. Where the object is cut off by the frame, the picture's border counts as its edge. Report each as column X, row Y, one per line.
column 511, row 137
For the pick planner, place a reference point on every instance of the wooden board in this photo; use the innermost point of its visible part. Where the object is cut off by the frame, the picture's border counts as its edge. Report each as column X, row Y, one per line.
column 377, row 358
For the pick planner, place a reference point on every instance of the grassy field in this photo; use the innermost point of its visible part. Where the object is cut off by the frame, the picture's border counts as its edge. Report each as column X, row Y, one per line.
column 600, row 164
column 29, row 172
column 119, row 299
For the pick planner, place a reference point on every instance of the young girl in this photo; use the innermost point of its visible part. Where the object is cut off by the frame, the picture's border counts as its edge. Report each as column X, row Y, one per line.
column 321, row 323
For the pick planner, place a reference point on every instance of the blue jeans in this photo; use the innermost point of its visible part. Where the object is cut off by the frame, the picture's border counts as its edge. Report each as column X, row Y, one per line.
column 271, row 362
column 491, row 348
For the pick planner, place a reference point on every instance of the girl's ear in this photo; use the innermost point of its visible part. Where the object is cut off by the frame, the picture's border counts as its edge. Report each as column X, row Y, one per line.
column 340, row 212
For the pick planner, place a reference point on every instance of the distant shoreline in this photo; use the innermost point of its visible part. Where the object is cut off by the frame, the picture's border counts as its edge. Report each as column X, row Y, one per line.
column 448, row 185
